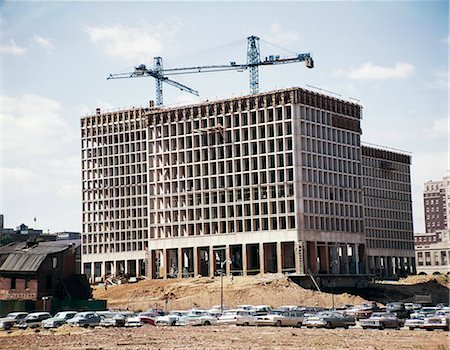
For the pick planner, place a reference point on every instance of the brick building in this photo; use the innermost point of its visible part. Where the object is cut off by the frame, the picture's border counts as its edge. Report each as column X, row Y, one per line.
column 30, row 271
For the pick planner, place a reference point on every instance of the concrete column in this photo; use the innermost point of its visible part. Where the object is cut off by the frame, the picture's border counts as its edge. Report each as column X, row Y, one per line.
column 195, row 261
column 327, row 257
column 298, row 247
column 357, row 257
column 279, row 258
column 212, row 262
column 244, row 259
column 180, row 262
column 149, row 260
column 261, row 258
column 227, row 259
column 164, row 262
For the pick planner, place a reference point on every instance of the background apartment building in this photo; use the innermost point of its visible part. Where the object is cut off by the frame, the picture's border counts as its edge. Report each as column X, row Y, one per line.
column 435, row 203
column 263, row 183
column 433, row 247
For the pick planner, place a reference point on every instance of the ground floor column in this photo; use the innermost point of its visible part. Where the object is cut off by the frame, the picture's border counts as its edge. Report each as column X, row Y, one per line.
column 261, row 258
column 279, row 258
column 195, row 254
column 244, row 260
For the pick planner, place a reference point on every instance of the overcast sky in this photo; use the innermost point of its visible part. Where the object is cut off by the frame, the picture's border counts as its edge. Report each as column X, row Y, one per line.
column 55, row 57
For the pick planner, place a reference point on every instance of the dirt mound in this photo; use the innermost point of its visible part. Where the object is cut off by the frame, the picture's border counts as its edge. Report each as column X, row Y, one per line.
column 440, row 279
column 275, row 290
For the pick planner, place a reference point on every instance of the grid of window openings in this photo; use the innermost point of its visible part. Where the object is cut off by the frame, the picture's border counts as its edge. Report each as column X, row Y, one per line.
column 387, row 199
column 114, row 177
column 331, row 172
column 219, row 173
column 435, row 206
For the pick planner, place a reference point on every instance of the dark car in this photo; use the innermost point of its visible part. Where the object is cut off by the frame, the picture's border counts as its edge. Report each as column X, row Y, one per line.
column 399, row 309
column 382, row 320
column 329, row 319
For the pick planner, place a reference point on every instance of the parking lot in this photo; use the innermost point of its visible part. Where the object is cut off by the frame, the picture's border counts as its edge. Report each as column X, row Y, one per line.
column 221, row 337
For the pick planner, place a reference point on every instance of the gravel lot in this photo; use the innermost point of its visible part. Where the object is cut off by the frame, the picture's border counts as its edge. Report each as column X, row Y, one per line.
column 223, row 337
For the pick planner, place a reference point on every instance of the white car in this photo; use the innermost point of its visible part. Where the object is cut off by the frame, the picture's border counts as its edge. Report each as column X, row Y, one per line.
column 58, row 320
column 280, row 318
column 133, row 321
column 246, row 318
column 197, row 319
column 417, row 320
column 229, row 317
column 262, row 309
column 11, row 319
column 170, row 319
column 441, row 320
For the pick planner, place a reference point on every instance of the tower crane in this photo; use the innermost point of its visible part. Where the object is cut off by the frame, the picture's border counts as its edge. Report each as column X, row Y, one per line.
column 253, row 62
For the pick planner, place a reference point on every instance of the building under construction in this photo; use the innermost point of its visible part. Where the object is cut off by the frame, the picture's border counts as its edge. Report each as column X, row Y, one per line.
column 265, row 183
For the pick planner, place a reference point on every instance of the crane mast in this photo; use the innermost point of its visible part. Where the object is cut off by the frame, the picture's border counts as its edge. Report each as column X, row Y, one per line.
column 253, row 62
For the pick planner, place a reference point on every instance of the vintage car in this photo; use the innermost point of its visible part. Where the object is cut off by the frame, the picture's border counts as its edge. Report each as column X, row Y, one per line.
column 58, row 320
column 381, row 320
column 329, row 319
column 399, row 309
column 440, row 320
column 363, row 310
column 133, row 321
column 246, row 318
column 33, row 320
column 170, row 319
column 85, row 319
column 417, row 320
column 11, row 319
column 115, row 319
column 197, row 318
column 230, row 316
column 281, row 318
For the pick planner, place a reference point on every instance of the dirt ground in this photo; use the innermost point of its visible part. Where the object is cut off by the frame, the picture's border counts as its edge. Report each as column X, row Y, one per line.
column 272, row 289
column 275, row 290
column 221, row 338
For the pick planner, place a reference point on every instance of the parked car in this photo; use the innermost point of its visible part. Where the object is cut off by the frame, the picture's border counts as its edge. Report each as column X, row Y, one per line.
column 115, row 319
column 149, row 317
column 246, row 318
column 58, row 320
column 441, row 320
column 133, row 321
column 417, row 320
column 170, row 319
column 245, row 307
column 33, row 320
column 413, row 306
column 85, row 319
column 398, row 308
column 381, row 320
column 197, row 319
column 11, row 319
column 364, row 310
column 281, row 318
column 262, row 309
column 329, row 319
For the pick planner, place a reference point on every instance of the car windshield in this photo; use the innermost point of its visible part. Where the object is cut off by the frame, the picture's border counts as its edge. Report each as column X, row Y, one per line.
column 377, row 314
column 31, row 317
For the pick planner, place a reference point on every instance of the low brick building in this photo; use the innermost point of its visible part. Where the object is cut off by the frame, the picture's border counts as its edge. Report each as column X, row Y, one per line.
column 30, row 271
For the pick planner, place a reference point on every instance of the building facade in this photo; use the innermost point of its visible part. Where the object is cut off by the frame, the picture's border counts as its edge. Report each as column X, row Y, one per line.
column 30, row 271
column 433, row 246
column 435, row 197
column 433, row 253
column 264, row 183
column 388, row 217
